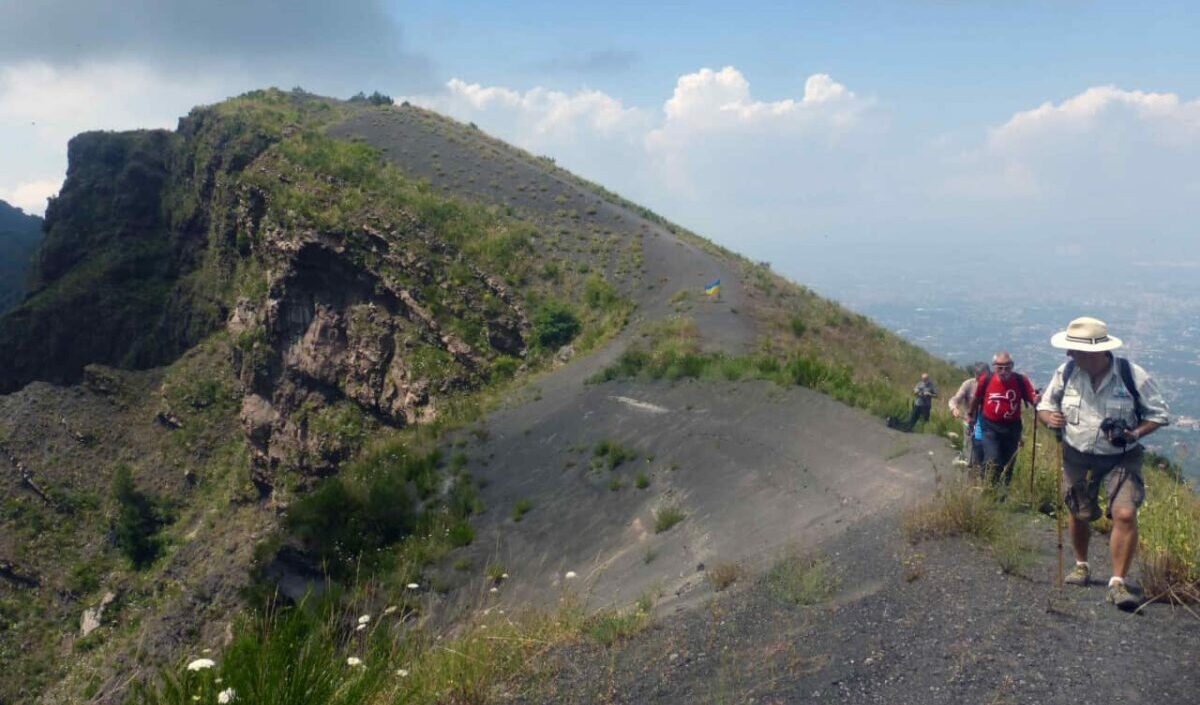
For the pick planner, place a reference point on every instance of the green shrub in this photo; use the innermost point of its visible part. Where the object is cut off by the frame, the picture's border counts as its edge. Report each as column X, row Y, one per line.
column 554, row 325
column 357, row 514
column 137, row 522
column 612, row 454
column 461, row 534
column 598, row 294
column 798, row 327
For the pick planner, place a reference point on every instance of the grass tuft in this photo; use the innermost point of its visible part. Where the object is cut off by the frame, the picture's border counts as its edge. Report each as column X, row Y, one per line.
column 521, row 508
column 723, row 575
column 802, row 579
column 667, row 517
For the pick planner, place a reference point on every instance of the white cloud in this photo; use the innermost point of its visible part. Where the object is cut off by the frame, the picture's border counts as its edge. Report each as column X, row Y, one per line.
column 712, row 152
column 715, row 133
column 1107, row 161
column 538, row 115
column 42, row 106
column 1098, row 111
column 31, row 196
column 58, row 103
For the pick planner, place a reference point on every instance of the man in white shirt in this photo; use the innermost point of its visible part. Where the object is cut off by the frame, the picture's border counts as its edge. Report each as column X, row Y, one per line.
column 1103, row 406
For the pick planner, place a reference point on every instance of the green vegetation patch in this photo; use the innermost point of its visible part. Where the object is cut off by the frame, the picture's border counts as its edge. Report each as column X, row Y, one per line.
column 802, row 579
column 666, row 517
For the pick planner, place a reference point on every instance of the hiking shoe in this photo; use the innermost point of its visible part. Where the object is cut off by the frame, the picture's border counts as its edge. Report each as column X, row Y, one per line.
column 1119, row 595
column 1080, row 575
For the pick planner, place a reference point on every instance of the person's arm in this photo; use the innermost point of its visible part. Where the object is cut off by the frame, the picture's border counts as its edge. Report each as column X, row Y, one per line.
column 976, row 402
column 1153, row 407
column 1030, row 393
column 1049, row 407
column 960, row 398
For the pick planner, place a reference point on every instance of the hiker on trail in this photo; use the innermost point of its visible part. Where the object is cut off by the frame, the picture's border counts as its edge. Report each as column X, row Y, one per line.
column 960, row 407
column 1103, row 406
column 996, row 408
column 924, row 392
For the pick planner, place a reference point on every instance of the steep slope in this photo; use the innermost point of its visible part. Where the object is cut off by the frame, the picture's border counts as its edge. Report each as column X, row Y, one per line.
column 19, row 237
column 333, row 288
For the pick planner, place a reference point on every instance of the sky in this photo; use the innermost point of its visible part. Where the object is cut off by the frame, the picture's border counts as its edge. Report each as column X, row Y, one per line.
column 839, row 141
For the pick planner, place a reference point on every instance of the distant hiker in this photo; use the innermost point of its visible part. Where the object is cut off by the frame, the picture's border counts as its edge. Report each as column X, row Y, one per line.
column 1103, row 406
column 996, row 408
column 960, row 407
column 924, row 392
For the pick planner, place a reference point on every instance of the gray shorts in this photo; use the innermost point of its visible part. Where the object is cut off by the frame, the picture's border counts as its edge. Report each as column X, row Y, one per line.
column 1083, row 474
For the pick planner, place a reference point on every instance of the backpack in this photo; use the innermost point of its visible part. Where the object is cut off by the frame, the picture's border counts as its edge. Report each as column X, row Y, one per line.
column 1123, row 369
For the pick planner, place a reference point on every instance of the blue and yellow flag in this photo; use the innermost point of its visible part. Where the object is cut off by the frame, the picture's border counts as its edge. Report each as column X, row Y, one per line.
column 713, row 289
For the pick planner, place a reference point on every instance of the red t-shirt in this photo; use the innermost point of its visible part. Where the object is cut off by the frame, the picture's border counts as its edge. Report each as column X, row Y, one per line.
column 1002, row 399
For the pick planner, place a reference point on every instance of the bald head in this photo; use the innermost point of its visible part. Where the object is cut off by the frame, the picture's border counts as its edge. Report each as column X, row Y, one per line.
column 1002, row 362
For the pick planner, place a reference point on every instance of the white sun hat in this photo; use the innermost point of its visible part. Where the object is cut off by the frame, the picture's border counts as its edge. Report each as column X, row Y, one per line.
column 1086, row 334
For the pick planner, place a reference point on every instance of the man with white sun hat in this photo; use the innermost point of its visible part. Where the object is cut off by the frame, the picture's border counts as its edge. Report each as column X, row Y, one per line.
column 1103, row 406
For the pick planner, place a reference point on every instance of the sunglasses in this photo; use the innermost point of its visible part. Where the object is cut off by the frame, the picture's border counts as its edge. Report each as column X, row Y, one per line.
column 1003, row 367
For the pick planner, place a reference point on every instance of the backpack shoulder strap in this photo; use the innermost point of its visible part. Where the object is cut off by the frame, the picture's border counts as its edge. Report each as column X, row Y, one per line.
column 1068, row 370
column 1126, row 372
column 980, row 390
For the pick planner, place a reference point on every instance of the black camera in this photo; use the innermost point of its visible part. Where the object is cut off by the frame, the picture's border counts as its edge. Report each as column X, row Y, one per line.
column 1116, row 430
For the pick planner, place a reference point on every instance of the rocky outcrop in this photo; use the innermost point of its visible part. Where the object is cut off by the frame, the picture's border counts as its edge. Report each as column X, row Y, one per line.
column 116, row 278
column 20, row 235
column 336, row 346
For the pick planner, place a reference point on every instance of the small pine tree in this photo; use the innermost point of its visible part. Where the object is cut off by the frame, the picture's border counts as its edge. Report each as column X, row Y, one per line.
column 137, row 521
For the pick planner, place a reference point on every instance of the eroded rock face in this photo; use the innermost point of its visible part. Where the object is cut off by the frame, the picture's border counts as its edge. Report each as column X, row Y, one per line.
column 338, row 345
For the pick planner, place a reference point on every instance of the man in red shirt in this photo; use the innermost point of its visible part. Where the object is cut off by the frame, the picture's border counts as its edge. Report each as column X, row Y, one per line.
column 997, row 407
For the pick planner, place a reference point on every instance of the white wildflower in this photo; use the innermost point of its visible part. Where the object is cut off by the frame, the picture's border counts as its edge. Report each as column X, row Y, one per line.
column 951, row 435
column 403, row 673
column 353, row 661
column 389, row 610
column 494, row 589
column 413, row 586
column 931, row 452
column 360, row 627
column 200, row 664
column 504, row 577
column 571, row 575
column 226, row 696
column 364, row 619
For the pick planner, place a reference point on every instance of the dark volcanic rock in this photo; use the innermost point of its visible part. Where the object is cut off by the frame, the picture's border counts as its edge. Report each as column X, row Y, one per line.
column 19, row 238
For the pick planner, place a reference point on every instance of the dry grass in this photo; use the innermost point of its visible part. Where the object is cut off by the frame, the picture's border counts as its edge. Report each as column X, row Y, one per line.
column 723, row 575
column 959, row 508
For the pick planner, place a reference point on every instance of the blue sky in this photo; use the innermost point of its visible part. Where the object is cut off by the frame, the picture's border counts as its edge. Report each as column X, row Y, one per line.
column 953, row 64
column 825, row 137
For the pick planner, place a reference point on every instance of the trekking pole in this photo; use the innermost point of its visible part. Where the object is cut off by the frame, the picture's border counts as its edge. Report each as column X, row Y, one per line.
column 1058, row 522
column 1033, row 461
